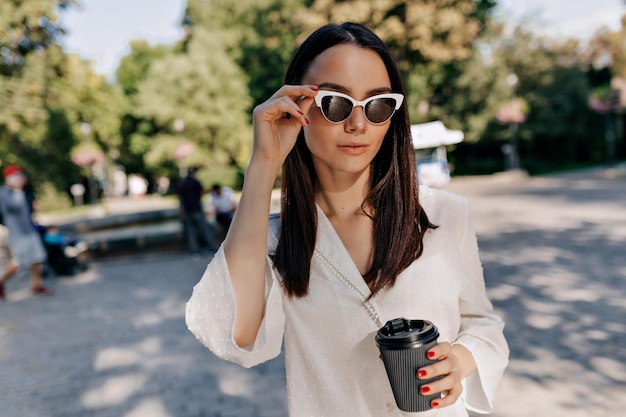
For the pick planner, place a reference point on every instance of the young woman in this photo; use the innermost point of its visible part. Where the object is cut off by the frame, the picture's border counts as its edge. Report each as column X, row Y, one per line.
column 355, row 245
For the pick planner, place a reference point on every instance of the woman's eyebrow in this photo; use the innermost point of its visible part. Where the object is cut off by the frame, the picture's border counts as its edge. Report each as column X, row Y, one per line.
column 333, row 86
column 342, row 89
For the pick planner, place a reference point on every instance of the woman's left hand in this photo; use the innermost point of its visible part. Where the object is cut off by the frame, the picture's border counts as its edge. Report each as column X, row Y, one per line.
column 454, row 363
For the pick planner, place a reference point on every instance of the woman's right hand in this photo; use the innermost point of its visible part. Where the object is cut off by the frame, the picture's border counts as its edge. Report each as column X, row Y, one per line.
column 277, row 121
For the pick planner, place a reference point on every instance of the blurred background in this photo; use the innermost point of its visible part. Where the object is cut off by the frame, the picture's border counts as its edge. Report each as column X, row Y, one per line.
column 105, row 104
column 95, row 91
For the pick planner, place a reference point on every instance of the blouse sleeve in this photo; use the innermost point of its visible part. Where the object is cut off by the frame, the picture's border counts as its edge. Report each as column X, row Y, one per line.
column 210, row 315
column 481, row 329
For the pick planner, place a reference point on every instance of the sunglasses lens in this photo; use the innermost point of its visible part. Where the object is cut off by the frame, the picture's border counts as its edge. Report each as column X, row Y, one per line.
column 380, row 110
column 336, row 109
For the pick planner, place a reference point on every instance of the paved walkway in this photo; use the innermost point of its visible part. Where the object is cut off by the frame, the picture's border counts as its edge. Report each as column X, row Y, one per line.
column 112, row 342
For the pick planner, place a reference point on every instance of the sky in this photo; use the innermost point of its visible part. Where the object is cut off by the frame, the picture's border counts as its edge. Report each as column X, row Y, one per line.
column 101, row 29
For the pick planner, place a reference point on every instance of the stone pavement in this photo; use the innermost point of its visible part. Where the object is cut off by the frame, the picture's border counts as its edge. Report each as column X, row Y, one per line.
column 112, row 342
column 554, row 256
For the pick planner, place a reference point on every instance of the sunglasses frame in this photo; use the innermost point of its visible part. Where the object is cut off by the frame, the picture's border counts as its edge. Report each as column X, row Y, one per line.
column 356, row 103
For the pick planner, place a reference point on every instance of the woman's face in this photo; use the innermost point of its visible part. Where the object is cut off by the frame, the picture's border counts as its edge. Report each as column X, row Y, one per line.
column 347, row 147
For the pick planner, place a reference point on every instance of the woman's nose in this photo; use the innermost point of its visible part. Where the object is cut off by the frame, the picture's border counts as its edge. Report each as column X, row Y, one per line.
column 356, row 122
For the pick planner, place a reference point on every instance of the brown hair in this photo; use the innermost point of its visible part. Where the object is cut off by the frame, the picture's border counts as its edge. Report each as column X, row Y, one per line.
column 392, row 201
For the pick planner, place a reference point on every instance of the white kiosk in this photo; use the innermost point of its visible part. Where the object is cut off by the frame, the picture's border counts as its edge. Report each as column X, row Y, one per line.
column 430, row 140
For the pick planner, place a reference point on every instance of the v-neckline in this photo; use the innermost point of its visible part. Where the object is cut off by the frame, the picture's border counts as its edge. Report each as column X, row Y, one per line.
column 335, row 250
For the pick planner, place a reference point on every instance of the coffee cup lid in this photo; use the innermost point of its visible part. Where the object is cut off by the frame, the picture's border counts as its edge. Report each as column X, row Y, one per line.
column 405, row 332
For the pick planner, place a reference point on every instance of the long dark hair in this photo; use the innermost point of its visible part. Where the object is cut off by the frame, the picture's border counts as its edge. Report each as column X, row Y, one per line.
column 392, row 201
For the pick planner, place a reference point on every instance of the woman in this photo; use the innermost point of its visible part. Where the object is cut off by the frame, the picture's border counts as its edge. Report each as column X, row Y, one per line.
column 356, row 245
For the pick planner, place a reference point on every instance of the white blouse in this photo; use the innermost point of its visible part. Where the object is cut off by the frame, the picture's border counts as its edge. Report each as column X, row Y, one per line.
column 332, row 361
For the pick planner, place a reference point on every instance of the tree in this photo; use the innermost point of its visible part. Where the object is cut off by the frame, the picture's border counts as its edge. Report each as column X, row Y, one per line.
column 207, row 91
column 135, row 130
column 34, row 129
column 258, row 35
column 47, row 95
column 552, row 81
column 606, row 56
column 134, row 67
column 606, row 49
column 28, row 26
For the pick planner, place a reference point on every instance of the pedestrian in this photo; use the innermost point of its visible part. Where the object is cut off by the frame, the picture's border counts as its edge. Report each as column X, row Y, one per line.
column 24, row 241
column 222, row 202
column 190, row 193
column 357, row 243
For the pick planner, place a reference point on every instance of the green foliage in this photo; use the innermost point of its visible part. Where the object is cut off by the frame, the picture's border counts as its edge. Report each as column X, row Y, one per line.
column 50, row 199
column 559, row 129
column 608, row 49
column 454, row 57
column 27, row 26
column 134, row 67
column 260, row 36
column 419, row 32
column 47, row 95
column 230, row 176
column 207, row 91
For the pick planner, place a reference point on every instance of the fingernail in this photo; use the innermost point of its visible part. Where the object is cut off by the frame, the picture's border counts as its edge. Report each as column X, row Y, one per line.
column 421, row 373
column 424, row 390
column 306, row 121
column 315, row 87
column 435, row 404
column 431, row 354
column 300, row 113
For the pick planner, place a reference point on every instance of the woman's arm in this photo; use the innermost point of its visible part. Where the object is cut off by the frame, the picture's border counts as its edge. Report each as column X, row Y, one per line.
column 245, row 246
column 472, row 365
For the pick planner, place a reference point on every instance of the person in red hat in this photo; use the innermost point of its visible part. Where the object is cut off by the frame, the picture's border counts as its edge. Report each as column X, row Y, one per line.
column 24, row 241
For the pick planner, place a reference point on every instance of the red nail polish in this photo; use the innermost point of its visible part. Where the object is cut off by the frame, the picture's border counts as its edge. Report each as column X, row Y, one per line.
column 424, row 390
column 306, row 121
column 315, row 87
column 431, row 354
column 421, row 373
column 435, row 404
column 300, row 113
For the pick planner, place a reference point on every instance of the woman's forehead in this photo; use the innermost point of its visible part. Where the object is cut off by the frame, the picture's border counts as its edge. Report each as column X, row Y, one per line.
column 354, row 68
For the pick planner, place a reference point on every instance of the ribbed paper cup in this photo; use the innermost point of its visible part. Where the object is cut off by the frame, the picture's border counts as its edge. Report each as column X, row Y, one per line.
column 403, row 345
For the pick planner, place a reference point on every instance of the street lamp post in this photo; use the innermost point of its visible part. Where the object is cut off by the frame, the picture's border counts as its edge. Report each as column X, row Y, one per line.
column 85, row 129
column 179, row 127
column 513, row 113
column 513, row 155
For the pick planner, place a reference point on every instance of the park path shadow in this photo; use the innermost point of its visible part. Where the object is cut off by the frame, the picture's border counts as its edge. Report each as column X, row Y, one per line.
column 554, row 257
column 113, row 342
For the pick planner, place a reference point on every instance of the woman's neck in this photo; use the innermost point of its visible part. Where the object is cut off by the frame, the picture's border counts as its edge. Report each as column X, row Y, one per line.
column 342, row 196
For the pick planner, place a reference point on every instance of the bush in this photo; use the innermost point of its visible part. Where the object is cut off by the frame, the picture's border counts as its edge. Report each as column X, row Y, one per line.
column 230, row 176
column 50, row 198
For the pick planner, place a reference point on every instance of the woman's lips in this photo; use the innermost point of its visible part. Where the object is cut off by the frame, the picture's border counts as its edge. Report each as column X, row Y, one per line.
column 353, row 148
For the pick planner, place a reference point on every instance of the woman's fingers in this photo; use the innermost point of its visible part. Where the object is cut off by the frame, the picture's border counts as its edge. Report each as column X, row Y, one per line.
column 278, row 121
column 279, row 108
column 439, row 351
column 289, row 102
column 448, row 397
column 296, row 91
column 446, row 367
column 447, row 383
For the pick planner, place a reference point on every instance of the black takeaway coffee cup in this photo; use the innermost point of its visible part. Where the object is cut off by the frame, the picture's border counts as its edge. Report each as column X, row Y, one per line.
column 403, row 345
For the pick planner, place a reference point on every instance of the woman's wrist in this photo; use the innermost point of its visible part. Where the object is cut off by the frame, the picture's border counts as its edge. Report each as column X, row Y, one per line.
column 263, row 170
column 466, row 362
